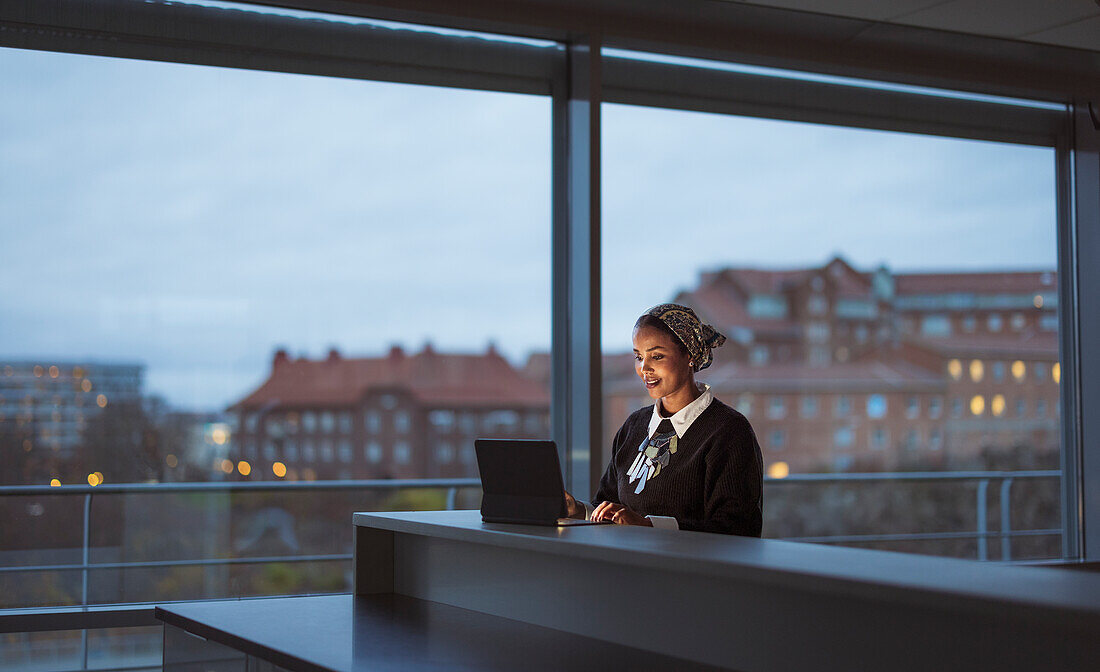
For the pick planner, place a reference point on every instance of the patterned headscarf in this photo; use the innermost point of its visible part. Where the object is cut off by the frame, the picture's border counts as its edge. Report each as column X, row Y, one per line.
column 699, row 339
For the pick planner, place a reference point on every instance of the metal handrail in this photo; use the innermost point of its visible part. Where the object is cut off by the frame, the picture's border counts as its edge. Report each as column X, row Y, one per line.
column 235, row 486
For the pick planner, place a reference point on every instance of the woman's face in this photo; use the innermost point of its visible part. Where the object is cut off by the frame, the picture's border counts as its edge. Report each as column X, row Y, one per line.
column 661, row 363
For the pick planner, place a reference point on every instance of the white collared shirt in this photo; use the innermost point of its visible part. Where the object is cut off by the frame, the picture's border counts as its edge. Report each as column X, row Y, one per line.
column 681, row 420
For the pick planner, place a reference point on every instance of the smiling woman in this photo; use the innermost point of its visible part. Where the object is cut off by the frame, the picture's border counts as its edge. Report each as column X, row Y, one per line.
column 688, row 461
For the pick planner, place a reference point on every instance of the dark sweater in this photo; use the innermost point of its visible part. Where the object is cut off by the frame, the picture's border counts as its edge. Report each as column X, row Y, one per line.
column 713, row 483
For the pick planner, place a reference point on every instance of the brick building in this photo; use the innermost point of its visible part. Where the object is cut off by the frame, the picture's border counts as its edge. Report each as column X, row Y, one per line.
column 840, row 369
column 396, row 416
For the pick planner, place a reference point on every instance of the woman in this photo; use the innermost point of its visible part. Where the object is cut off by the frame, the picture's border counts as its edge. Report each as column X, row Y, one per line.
column 688, row 461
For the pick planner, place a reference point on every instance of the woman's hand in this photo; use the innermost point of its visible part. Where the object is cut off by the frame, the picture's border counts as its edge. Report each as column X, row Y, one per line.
column 573, row 508
column 619, row 514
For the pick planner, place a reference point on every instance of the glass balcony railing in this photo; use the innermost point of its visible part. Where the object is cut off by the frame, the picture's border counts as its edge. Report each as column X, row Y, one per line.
column 76, row 547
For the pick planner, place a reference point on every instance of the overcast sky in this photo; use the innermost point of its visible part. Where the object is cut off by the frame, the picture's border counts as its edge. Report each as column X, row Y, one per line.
column 193, row 219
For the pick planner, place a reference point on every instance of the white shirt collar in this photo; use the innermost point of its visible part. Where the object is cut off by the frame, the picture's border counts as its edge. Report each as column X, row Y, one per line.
column 682, row 418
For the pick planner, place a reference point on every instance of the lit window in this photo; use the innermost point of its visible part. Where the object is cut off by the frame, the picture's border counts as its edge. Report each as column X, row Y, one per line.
column 1019, row 371
column 997, row 405
column 977, row 404
column 955, row 369
column 876, row 406
column 779, row 470
column 1056, row 372
column 977, row 370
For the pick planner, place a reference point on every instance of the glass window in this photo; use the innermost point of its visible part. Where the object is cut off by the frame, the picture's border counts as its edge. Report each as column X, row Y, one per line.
column 1040, row 370
column 935, row 407
column 344, row 448
column 879, row 438
column 373, row 421
column 912, row 408
column 777, row 439
column 442, row 420
column 401, row 422
column 878, row 281
column 401, row 453
column 935, row 325
column 327, row 452
column 998, row 369
column 190, row 161
column 876, row 406
column 809, row 406
column 842, row 406
column 777, row 407
column 373, row 452
column 444, row 452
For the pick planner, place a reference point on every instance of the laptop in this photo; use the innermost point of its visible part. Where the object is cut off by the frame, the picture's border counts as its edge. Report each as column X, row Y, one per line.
column 521, row 483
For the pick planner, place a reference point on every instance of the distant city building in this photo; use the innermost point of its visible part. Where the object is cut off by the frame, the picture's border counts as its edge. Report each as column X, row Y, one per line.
column 50, row 402
column 396, row 416
column 840, row 369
